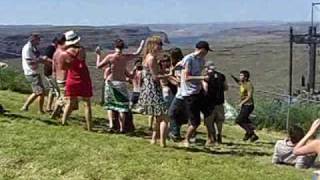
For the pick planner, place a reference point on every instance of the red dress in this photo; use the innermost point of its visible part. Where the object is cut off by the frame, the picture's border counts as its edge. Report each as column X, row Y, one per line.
column 78, row 82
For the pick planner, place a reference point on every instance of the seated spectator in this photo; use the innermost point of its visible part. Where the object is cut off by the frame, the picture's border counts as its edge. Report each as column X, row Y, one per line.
column 283, row 151
column 308, row 145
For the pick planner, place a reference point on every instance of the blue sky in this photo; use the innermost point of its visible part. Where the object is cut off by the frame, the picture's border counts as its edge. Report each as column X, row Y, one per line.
column 113, row 12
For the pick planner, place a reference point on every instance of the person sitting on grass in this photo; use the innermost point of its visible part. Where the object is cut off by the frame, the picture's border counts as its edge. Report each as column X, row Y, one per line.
column 308, row 145
column 283, row 150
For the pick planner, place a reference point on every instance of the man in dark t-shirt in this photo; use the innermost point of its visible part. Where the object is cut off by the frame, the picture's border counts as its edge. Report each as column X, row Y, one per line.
column 213, row 100
column 50, row 50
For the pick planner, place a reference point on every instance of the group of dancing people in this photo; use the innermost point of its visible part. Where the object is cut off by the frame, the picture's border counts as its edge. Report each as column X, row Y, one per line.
column 172, row 89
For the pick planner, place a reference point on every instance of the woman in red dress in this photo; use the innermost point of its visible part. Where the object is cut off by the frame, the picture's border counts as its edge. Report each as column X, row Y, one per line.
column 78, row 82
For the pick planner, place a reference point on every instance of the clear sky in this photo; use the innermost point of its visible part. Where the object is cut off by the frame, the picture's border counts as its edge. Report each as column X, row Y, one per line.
column 114, row 12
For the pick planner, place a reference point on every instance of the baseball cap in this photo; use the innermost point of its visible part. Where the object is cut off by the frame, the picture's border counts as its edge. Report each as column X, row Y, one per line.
column 203, row 45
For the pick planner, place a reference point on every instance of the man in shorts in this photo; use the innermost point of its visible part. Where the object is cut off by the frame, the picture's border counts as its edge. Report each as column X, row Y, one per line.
column 30, row 63
column 213, row 101
column 191, row 85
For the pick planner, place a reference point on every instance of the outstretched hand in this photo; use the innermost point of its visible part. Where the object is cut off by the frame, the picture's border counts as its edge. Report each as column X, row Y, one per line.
column 98, row 50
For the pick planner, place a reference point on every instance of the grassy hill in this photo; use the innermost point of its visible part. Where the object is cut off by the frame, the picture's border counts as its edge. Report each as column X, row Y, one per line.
column 36, row 147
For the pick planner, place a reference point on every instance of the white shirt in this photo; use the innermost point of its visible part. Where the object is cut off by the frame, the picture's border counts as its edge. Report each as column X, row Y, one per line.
column 28, row 55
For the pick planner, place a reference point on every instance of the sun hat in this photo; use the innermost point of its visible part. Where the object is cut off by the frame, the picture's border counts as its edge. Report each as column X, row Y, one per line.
column 71, row 38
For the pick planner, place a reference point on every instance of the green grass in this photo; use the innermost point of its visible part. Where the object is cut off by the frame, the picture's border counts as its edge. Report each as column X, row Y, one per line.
column 35, row 147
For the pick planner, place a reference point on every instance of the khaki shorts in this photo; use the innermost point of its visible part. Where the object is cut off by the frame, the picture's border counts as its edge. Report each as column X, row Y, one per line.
column 61, row 101
column 36, row 83
column 218, row 114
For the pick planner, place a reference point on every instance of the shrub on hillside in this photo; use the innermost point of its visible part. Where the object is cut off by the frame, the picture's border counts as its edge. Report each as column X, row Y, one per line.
column 14, row 81
column 273, row 114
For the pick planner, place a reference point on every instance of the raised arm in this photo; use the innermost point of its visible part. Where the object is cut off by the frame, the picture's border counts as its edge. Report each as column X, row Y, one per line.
column 304, row 148
column 235, row 79
column 101, row 63
column 139, row 50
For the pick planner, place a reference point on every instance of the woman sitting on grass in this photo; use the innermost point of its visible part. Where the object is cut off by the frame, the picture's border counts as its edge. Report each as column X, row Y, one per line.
column 283, row 150
column 308, row 145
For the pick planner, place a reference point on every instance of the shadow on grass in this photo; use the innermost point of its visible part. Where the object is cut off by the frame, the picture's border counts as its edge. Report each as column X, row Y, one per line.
column 229, row 151
column 19, row 117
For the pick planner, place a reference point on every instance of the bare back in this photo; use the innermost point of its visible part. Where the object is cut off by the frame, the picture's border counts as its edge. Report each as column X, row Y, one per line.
column 59, row 65
column 118, row 66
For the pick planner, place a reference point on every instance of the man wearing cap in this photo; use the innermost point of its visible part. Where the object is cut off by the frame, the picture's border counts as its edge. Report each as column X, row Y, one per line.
column 30, row 64
column 191, row 85
column 212, row 104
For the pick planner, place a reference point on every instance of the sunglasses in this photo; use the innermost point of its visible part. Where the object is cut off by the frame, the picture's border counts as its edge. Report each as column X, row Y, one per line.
column 76, row 46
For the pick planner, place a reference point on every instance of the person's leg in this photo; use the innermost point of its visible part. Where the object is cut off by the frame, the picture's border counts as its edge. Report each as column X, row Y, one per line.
column 122, row 117
column 163, row 130
column 150, row 122
column 155, row 130
column 173, row 114
column 67, row 110
column 88, row 113
column 242, row 120
column 110, row 115
column 209, row 122
column 29, row 101
column 50, row 100
column 220, row 117
column 192, row 105
column 41, row 103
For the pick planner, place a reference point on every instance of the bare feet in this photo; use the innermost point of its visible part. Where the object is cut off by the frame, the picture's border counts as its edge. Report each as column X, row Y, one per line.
column 210, row 143
column 153, row 141
column 185, row 143
column 163, row 145
column 25, row 109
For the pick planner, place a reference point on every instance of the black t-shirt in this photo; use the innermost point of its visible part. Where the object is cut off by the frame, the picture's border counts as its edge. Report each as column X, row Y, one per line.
column 49, row 53
column 216, row 88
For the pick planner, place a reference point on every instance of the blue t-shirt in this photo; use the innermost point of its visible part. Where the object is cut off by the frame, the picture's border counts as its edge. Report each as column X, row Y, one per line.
column 195, row 67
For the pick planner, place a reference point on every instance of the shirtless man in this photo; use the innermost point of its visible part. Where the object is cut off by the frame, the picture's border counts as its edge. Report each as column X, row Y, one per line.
column 59, row 74
column 116, row 93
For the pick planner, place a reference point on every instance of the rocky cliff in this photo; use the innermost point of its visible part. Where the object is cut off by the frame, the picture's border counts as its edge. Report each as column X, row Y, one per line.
column 12, row 38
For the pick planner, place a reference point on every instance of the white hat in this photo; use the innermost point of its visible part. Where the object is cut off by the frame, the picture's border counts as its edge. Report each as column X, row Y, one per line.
column 71, row 38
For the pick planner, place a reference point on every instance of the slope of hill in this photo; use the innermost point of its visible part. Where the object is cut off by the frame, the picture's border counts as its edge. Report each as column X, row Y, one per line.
column 36, row 147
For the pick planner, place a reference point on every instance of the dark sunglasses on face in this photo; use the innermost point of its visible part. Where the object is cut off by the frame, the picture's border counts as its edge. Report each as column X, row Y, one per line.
column 76, row 46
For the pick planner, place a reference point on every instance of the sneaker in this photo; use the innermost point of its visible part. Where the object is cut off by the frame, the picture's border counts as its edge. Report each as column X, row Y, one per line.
column 246, row 137
column 254, row 138
column 219, row 139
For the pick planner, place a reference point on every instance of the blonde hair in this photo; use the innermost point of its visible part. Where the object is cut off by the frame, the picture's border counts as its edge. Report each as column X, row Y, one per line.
column 150, row 47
